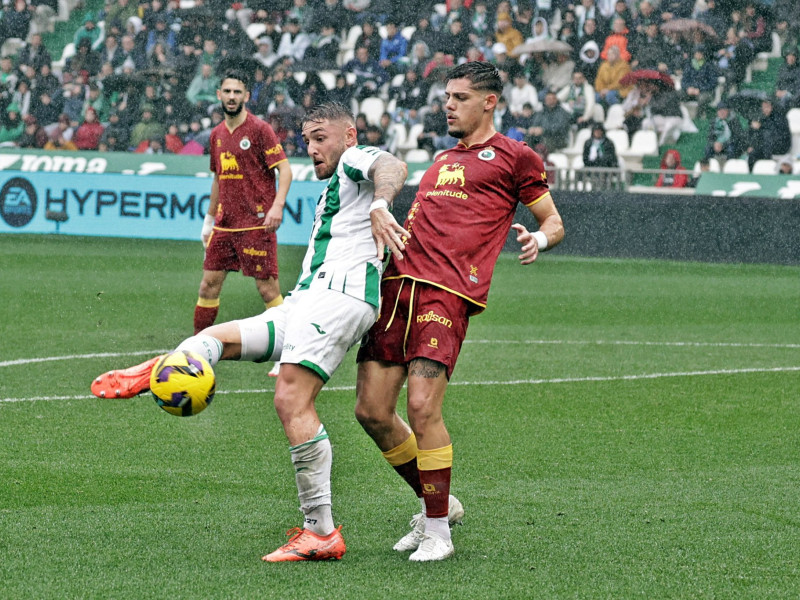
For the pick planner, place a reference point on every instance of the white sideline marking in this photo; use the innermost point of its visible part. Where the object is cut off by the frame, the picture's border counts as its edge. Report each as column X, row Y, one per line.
column 349, row 388
column 26, row 361
column 634, row 343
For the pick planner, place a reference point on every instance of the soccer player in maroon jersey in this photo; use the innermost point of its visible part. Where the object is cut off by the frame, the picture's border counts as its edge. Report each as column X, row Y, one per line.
column 245, row 210
column 459, row 221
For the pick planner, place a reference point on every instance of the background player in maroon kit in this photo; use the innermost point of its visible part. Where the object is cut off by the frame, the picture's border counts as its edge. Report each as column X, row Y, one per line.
column 245, row 209
column 458, row 223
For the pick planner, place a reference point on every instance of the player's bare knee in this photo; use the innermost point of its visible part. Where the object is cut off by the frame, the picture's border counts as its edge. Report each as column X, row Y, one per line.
column 374, row 419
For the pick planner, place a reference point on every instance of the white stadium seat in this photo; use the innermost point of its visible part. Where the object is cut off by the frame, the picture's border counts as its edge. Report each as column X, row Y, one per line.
column 620, row 138
column 373, row 107
column 576, row 148
column 765, row 166
column 736, row 165
column 418, row 155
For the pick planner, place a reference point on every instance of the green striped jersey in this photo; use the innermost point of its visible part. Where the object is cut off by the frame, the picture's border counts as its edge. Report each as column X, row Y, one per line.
column 341, row 253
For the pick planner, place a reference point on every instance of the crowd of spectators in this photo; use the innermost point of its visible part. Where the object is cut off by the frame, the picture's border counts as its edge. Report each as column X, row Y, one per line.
column 144, row 74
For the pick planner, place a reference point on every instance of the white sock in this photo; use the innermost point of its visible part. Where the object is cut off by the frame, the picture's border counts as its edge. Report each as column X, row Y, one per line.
column 206, row 346
column 312, row 463
column 422, row 504
column 439, row 526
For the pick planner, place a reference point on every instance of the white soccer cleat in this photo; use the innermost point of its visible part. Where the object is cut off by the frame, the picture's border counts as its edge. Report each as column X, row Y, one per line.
column 273, row 372
column 412, row 540
column 432, row 547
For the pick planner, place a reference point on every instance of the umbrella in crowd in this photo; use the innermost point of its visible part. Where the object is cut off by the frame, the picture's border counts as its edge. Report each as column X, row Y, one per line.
column 687, row 26
column 548, row 45
column 748, row 103
column 648, row 75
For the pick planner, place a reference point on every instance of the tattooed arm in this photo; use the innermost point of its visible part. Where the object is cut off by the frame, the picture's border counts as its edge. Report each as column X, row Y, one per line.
column 388, row 174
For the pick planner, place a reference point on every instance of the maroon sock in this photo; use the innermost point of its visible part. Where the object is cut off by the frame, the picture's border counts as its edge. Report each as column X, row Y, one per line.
column 410, row 474
column 204, row 317
column 436, row 491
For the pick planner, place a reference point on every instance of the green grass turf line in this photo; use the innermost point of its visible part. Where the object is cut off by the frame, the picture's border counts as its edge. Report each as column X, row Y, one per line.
column 666, row 487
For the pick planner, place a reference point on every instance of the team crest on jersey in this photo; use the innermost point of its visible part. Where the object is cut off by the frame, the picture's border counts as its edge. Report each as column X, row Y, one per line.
column 449, row 174
column 487, row 154
column 244, row 144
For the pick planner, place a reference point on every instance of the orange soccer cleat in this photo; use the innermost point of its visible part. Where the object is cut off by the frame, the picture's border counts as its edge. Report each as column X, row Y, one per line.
column 307, row 545
column 124, row 383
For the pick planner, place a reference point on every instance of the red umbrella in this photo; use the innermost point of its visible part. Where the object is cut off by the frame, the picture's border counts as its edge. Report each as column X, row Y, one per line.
column 651, row 75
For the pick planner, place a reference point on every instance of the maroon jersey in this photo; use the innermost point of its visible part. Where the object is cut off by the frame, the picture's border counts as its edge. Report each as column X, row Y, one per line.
column 243, row 161
column 463, row 211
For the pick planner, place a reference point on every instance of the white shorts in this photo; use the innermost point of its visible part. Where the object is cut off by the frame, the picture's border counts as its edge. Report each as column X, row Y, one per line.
column 313, row 328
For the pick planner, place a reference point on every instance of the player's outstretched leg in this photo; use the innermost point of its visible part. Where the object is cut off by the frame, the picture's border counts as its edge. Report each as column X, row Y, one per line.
column 130, row 382
column 412, row 540
column 304, row 544
column 124, row 383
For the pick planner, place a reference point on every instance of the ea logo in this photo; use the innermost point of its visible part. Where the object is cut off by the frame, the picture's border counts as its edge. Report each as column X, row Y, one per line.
column 17, row 202
column 244, row 144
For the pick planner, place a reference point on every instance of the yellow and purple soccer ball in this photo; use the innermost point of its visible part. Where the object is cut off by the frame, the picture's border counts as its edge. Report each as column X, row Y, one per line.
column 183, row 383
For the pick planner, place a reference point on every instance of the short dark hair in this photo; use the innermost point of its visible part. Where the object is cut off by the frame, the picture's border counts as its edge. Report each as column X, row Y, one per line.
column 238, row 75
column 482, row 75
column 328, row 111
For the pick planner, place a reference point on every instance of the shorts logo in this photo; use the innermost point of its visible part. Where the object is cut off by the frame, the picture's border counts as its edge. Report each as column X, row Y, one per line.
column 319, row 329
column 17, row 202
column 432, row 316
column 473, row 274
column 434, row 343
column 244, row 144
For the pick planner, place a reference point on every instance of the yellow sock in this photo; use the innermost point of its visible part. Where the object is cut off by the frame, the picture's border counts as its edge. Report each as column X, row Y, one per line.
column 276, row 301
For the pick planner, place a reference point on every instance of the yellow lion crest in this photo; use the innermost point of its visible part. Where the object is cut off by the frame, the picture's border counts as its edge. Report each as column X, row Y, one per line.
column 228, row 162
column 449, row 174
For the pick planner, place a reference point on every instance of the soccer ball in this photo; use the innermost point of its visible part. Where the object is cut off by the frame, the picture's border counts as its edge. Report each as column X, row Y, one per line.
column 182, row 383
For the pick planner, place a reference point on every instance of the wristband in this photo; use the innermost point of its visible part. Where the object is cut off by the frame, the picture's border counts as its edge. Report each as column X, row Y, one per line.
column 208, row 225
column 378, row 203
column 541, row 239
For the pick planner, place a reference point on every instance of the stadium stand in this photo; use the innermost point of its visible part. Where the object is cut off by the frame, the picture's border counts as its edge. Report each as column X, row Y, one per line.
column 233, row 30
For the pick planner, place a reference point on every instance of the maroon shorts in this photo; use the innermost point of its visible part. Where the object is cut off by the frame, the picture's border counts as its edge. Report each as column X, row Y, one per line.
column 253, row 252
column 417, row 320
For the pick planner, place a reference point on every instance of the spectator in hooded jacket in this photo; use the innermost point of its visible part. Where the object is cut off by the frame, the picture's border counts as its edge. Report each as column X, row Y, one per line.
column 725, row 134
column 599, row 150
column 607, row 83
column 87, row 135
column 675, row 174
column 88, row 31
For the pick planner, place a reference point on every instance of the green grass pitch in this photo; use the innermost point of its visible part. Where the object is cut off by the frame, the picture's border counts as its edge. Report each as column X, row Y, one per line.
column 622, row 429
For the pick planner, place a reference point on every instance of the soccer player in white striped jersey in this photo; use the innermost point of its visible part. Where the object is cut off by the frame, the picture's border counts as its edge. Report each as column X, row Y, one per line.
column 333, row 305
